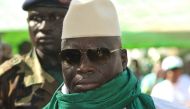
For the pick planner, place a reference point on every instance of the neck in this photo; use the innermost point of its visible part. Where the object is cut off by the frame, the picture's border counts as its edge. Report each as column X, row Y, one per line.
column 49, row 61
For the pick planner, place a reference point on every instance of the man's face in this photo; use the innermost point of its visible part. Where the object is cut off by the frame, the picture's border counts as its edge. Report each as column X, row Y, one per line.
column 174, row 74
column 45, row 26
column 87, row 71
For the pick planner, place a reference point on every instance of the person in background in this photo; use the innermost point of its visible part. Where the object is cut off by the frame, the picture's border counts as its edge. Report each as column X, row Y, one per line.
column 28, row 81
column 152, row 78
column 136, row 68
column 170, row 89
column 1, row 53
column 94, row 65
column 24, row 47
column 6, row 52
column 184, row 80
column 187, row 64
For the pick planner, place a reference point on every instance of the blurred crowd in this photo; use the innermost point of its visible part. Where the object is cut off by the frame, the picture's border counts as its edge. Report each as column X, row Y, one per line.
column 6, row 51
column 167, row 78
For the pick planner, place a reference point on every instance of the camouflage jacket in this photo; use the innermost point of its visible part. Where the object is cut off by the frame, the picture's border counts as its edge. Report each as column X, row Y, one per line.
column 24, row 84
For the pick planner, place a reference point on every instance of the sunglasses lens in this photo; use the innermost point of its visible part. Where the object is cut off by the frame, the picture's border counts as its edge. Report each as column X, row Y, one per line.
column 71, row 56
column 98, row 55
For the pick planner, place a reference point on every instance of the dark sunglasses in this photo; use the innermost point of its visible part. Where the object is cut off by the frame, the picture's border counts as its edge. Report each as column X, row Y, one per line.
column 73, row 56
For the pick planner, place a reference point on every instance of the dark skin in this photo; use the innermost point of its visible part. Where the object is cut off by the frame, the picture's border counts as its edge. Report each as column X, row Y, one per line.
column 173, row 75
column 45, row 27
column 88, row 75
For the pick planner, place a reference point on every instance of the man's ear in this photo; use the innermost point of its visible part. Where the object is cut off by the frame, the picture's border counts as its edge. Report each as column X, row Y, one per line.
column 124, row 58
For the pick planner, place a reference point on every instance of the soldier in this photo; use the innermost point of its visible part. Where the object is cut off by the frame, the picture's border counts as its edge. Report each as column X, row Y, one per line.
column 28, row 81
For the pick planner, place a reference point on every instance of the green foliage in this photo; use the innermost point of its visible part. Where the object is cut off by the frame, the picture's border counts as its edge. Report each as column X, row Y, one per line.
column 14, row 38
column 129, row 39
column 153, row 39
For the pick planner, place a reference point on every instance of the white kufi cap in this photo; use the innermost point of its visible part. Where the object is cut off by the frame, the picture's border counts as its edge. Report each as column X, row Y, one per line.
column 171, row 62
column 91, row 18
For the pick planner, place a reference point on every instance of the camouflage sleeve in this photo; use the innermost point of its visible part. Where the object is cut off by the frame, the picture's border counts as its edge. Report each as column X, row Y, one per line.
column 7, row 65
column 8, row 83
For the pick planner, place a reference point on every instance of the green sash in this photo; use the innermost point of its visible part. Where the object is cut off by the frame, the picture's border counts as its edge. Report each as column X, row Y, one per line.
column 123, row 91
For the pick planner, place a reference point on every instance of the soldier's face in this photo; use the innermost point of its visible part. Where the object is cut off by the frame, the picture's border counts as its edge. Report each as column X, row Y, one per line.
column 85, row 69
column 45, row 26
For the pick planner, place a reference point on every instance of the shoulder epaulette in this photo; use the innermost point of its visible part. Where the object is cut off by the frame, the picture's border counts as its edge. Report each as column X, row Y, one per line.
column 7, row 65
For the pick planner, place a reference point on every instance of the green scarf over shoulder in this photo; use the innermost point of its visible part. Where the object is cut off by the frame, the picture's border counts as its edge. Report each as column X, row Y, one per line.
column 123, row 91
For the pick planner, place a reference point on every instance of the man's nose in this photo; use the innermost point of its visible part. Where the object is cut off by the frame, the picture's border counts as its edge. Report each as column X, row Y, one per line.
column 85, row 64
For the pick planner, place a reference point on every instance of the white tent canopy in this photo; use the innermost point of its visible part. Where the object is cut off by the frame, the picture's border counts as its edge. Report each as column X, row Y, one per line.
column 154, row 15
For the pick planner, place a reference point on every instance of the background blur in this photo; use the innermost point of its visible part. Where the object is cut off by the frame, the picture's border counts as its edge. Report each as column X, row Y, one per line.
column 151, row 30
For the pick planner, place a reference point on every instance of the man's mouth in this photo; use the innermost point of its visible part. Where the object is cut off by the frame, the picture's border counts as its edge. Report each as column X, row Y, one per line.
column 86, row 87
column 45, row 41
column 44, row 38
column 83, row 84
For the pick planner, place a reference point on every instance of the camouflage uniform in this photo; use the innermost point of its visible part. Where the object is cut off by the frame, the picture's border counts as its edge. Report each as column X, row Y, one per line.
column 24, row 84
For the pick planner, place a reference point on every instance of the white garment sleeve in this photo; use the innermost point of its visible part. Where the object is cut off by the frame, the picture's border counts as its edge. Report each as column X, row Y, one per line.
column 162, row 104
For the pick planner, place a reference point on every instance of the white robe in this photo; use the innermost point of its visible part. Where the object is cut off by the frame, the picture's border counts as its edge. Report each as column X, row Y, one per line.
column 178, row 93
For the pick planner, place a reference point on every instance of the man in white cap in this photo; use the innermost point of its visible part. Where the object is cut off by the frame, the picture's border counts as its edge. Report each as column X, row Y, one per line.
column 94, row 65
column 170, row 89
